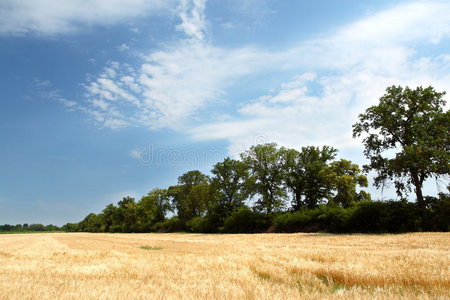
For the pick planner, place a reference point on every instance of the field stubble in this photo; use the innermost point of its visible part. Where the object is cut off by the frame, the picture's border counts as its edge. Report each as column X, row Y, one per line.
column 196, row 266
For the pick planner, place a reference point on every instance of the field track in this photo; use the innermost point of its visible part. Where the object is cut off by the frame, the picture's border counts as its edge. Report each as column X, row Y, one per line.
column 197, row 266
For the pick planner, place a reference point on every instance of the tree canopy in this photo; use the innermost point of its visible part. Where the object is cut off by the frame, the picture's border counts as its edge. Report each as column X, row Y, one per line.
column 406, row 139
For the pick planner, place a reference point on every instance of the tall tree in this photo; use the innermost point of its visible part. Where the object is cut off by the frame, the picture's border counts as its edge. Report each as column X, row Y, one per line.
column 155, row 205
column 110, row 218
column 266, row 176
column 230, row 178
column 307, row 174
column 188, row 197
column 413, row 124
column 127, row 214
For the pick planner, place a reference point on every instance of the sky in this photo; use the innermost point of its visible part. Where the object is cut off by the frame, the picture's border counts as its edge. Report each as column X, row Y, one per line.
column 103, row 99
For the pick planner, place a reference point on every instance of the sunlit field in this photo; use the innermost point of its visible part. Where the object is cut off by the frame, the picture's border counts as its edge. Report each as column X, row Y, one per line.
column 197, row 266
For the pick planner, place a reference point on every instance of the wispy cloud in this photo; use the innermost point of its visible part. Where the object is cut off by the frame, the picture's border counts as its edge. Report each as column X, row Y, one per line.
column 123, row 47
column 340, row 75
column 337, row 76
column 50, row 17
column 44, row 89
column 193, row 20
column 171, row 85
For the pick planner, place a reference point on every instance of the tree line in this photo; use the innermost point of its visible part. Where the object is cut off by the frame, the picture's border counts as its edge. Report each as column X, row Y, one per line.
column 28, row 228
column 278, row 189
column 266, row 181
column 271, row 188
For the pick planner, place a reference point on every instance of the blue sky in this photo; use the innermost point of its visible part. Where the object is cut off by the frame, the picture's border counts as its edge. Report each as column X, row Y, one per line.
column 106, row 98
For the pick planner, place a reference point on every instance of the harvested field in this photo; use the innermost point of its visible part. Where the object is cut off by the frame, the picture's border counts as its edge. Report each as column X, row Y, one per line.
column 199, row 266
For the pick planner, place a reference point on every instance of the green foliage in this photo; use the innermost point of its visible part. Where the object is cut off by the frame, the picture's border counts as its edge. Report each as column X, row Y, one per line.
column 173, row 224
column 329, row 218
column 150, row 248
column 19, row 228
column 344, row 177
column 196, row 224
column 92, row 223
column 413, row 124
column 383, row 217
column 192, row 196
column 307, row 174
column 152, row 209
column 244, row 220
column 266, row 178
column 439, row 212
column 231, row 178
column 70, row 227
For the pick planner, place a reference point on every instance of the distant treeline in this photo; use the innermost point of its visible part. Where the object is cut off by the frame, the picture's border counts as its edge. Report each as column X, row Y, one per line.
column 269, row 190
column 26, row 228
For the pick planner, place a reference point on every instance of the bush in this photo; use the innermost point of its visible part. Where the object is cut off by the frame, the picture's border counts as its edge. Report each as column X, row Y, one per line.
column 196, row 224
column 439, row 212
column 244, row 220
column 385, row 217
column 292, row 222
column 323, row 218
column 173, row 224
column 332, row 218
column 70, row 227
column 212, row 222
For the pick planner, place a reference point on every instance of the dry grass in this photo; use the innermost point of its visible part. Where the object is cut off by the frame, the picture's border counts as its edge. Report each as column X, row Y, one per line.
column 193, row 266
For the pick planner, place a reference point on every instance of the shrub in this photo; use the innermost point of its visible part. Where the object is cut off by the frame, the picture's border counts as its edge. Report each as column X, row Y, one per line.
column 439, row 212
column 173, row 224
column 323, row 218
column 292, row 222
column 244, row 220
column 195, row 224
column 383, row 217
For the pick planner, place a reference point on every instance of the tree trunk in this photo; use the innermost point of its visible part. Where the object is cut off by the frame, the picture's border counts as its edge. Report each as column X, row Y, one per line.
column 298, row 201
column 420, row 201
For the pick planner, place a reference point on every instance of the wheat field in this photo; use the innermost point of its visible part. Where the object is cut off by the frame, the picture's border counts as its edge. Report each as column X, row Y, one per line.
column 200, row 266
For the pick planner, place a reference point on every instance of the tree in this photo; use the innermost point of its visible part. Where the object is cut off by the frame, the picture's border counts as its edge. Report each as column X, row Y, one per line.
column 307, row 174
column 345, row 177
column 127, row 214
column 230, row 177
column 266, row 176
column 110, row 219
column 91, row 223
column 189, row 196
column 413, row 124
column 154, row 206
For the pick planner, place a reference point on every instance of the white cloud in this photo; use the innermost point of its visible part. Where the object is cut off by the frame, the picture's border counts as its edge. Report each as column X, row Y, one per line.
column 352, row 67
column 50, row 17
column 192, row 17
column 123, row 47
column 171, row 86
column 44, row 90
column 338, row 76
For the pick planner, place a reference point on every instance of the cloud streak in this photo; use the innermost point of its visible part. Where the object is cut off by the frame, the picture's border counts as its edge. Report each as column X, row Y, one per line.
column 52, row 17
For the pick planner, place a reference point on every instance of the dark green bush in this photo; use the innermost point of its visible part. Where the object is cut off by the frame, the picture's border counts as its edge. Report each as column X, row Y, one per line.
column 244, row 220
column 439, row 212
column 384, row 217
column 323, row 218
column 173, row 224
column 293, row 222
column 196, row 224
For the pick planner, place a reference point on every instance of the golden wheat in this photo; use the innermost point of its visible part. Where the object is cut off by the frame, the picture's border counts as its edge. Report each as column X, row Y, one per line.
column 197, row 266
